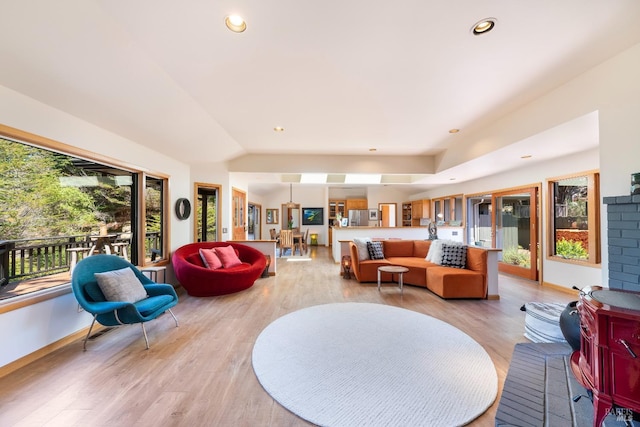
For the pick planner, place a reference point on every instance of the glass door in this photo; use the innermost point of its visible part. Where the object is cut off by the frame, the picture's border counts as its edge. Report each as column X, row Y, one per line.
column 207, row 214
column 239, row 202
column 515, row 231
column 254, row 221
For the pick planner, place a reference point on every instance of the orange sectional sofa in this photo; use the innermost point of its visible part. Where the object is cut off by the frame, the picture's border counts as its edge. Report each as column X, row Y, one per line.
column 446, row 282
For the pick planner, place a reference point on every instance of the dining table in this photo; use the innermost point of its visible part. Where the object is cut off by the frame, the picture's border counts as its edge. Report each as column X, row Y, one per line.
column 297, row 241
column 101, row 244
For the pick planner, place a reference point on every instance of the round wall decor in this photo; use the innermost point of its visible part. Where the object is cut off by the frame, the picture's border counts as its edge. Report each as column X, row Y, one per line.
column 183, row 208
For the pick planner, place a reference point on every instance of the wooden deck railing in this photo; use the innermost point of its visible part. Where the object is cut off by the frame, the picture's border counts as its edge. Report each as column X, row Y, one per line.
column 31, row 258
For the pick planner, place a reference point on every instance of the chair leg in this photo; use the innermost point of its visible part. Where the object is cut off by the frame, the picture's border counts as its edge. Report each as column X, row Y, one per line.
column 144, row 332
column 174, row 317
column 84, row 345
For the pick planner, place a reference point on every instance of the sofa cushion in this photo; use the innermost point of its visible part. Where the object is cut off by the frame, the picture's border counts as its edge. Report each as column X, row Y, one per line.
column 477, row 260
column 361, row 244
column 398, row 248
column 448, row 282
column 417, row 274
column 454, row 255
column 209, row 258
column 421, row 248
column 375, row 250
column 228, row 256
column 195, row 259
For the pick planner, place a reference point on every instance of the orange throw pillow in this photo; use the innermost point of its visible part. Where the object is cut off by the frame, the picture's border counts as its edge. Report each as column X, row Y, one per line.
column 228, row 256
column 210, row 259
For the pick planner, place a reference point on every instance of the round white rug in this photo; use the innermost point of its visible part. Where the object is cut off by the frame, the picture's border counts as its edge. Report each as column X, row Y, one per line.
column 366, row 364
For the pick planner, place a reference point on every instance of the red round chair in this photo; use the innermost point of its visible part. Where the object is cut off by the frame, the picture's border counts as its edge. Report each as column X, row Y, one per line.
column 199, row 281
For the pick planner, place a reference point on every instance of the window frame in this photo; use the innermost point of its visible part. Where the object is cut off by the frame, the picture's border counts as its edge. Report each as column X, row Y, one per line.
column 593, row 218
column 138, row 211
column 206, row 187
column 452, row 207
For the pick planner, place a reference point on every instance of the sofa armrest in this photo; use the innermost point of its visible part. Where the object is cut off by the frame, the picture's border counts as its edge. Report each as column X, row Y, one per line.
column 477, row 260
column 355, row 260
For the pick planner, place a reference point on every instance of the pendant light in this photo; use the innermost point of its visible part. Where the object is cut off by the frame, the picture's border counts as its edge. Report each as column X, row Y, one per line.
column 291, row 204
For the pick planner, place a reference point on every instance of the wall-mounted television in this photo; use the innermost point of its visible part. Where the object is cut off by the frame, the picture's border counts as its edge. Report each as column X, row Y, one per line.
column 312, row 216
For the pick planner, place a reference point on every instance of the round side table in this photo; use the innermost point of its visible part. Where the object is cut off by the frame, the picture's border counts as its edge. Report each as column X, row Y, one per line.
column 393, row 269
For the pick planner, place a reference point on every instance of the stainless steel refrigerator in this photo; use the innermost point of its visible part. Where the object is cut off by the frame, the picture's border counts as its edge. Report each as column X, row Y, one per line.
column 358, row 217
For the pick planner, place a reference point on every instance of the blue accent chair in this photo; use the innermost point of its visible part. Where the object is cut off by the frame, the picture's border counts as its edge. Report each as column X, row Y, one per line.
column 161, row 297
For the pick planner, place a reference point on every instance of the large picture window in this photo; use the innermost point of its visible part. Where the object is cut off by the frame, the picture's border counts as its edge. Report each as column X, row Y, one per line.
column 59, row 207
column 574, row 218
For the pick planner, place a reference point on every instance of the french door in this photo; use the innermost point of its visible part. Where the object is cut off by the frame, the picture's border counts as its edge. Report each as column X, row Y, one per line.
column 207, row 213
column 515, row 231
column 508, row 220
column 239, row 203
column 254, row 221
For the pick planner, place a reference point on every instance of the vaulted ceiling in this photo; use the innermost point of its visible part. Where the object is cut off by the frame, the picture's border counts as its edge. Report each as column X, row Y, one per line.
column 341, row 77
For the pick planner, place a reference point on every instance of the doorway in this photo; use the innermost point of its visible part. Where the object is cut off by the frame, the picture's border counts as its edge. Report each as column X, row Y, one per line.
column 239, row 203
column 207, row 212
column 254, row 221
column 387, row 214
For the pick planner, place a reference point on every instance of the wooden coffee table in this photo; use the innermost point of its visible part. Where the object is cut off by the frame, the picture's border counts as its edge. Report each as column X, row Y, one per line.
column 393, row 269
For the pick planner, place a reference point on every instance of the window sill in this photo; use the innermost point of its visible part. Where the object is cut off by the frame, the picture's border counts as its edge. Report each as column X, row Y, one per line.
column 20, row 301
column 583, row 263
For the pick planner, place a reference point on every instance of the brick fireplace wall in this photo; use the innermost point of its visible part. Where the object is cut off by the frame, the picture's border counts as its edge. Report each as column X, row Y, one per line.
column 623, row 223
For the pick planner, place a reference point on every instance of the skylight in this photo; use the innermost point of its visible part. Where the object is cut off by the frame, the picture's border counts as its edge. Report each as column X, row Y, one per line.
column 313, row 178
column 362, row 178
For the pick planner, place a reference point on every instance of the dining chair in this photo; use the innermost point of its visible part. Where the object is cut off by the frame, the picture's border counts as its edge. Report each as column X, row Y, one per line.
column 286, row 240
column 274, row 236
column 304, row 245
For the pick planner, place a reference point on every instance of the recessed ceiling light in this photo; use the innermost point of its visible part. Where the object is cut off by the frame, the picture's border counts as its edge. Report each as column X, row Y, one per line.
column 454, row 130
column 235, row 23
column 484, row 26
column 278, row 129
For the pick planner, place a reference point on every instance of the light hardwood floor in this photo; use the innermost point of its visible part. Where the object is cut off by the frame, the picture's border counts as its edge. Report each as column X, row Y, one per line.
column 200, row 373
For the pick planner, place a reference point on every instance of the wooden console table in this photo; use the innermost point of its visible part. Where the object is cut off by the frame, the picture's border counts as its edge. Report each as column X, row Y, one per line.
column 608, row 361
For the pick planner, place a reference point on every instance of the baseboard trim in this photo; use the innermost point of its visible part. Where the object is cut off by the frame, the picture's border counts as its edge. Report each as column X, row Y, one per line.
column 561, row 288
column 493, row 297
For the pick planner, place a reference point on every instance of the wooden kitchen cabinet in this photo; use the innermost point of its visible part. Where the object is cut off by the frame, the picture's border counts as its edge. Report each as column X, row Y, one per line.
column 357, row 204
column 419, row 209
